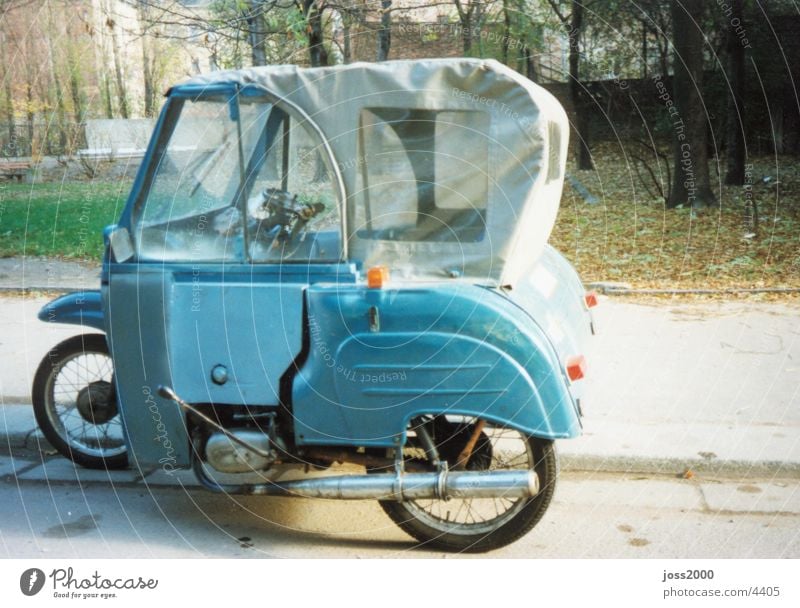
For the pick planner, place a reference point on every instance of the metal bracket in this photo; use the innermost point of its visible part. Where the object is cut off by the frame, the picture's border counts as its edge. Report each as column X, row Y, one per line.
column 167, row 393
column 374, row 319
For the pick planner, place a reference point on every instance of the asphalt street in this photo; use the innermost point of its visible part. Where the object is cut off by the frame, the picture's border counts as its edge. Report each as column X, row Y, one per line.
column 690, row 449
column 56, row 510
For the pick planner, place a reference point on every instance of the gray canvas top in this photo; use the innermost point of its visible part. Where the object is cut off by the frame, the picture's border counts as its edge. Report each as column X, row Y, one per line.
column 496, row 166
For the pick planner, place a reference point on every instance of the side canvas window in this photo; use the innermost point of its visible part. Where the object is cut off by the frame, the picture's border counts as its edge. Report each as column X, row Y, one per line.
column 424, row 175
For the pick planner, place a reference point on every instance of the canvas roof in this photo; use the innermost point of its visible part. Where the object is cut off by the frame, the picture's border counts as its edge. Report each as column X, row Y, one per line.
column 527, row 140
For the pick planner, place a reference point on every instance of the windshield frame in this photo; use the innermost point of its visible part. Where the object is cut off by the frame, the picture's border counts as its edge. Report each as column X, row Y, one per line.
column 230, row 93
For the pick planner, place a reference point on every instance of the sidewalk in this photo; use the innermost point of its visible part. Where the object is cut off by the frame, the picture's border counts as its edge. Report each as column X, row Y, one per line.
column 710, row 388
column 42, row 274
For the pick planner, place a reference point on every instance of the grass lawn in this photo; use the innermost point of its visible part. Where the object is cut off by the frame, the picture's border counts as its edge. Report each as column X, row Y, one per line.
column 58, row 220
column 627, row 236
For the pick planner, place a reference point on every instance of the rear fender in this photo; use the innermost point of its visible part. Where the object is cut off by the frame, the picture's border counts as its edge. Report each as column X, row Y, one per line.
column 378, row 358
column 82, row 308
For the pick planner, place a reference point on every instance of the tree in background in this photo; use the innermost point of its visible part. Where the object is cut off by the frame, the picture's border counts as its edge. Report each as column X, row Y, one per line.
column 253, row 13
column 691, row 183
column 385, row 31
column 119, row 69
column 522, row 37
column 470, row 14
column 573, row 23
column 317, row 53
column 734, row 138
column 8, row 96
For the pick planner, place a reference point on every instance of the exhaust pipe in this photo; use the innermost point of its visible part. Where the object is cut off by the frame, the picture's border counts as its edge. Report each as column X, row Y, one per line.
column 392, row 486
column 397, row 486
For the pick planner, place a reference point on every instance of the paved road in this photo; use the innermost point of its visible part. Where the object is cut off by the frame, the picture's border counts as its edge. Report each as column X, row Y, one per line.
column 56, row 510
column 714, row 388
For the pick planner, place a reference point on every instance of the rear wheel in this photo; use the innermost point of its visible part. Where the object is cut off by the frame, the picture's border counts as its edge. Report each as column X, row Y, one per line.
column 476, row 525
column 75, row 403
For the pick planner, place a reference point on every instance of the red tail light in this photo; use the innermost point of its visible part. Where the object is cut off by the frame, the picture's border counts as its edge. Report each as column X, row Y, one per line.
column 576, row 367
column 591, row 299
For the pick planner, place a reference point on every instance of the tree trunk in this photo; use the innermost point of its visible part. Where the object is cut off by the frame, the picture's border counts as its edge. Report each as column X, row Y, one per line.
column 31, row 70
column 318, row 55
column 122, row 91
column 529, row 63
column 56, row 81
column 662, row 43
column 108, row 102
column 347, row 50
column 385, row 31
column 735, row 122
column 29, row 115
column 147, row 62
column 465, row 18
column 577, row 91
column 75, row 80
column 9, row 94
column 466, row 33
column 255, row 32
column 506, row 30
column 691, row 184
column 477, row 25
column 644, row 49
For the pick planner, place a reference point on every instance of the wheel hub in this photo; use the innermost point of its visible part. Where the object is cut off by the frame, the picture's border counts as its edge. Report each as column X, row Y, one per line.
column 96, row 402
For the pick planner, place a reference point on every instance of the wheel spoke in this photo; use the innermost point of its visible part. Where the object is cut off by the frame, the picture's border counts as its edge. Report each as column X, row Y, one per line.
column 499, row 449
column 70, row 376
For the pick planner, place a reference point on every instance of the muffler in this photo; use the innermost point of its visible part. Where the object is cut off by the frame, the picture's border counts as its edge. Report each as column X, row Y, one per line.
column 392, row 486
column 398, row 486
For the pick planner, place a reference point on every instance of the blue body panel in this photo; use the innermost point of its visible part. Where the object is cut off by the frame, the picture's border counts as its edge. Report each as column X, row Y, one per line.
column 136, row 304
column 553, row 295
column 449, row 348
column 83, row 308
column 171, row 324
column 251, row 329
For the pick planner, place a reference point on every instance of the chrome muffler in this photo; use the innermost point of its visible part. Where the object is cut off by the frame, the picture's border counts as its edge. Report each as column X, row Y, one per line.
column 399, row 486
column 392, row 486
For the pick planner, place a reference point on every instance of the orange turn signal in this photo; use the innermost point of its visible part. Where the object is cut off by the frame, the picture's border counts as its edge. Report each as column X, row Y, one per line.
column 576, row 367
column 377, row 276
column 591, row 299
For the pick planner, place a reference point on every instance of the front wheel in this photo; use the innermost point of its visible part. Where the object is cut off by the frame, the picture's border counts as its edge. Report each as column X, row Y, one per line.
column 475, row 525
column 75, row 403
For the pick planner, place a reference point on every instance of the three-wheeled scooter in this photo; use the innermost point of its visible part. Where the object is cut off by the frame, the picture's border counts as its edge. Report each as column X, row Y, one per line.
column 338, row 265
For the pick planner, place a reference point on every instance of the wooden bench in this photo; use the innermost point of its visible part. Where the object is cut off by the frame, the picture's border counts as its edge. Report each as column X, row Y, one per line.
column 14, row 169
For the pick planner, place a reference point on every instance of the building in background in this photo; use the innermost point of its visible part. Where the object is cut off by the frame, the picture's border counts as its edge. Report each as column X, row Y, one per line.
column 63, row 62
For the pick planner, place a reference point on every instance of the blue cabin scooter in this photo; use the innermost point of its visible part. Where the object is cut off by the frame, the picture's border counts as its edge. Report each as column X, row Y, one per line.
column 338, row 266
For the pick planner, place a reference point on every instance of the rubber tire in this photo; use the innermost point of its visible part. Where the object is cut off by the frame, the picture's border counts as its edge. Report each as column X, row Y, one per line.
column 52, row 361
column 546, row 467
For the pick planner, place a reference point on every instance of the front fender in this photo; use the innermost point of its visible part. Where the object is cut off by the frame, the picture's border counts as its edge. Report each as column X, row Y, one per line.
column 83, row 308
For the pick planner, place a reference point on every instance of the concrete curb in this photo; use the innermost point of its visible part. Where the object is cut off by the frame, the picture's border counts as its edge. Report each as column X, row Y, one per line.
column 685, row 468
column 56, row 289
column 574, row 463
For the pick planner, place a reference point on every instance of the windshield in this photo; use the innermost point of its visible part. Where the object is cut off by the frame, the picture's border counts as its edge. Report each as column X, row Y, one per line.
column 236, row 178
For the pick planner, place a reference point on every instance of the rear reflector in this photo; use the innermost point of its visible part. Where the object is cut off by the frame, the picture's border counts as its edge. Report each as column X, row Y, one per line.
column 591, row 299
column 576, row 367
